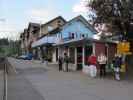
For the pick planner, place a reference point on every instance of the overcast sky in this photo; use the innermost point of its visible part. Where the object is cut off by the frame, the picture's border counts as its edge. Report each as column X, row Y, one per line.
column 18, row 13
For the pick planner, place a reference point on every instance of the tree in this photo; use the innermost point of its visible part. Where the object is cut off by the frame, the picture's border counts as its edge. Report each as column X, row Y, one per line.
column 4, row 41
column 117, row 13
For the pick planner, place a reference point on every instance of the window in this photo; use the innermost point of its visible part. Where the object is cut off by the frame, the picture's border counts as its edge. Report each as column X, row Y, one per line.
column 83, row 35
column 72, row 36
column 86, row 35
column 59, row 22
column 50, row 28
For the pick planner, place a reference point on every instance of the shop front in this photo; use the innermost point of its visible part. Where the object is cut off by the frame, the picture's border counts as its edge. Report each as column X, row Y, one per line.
column 79, row 51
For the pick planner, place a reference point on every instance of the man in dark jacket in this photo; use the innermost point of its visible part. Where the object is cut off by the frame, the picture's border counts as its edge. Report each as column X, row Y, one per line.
column 66, row 60
column 60, row 61
column 117, row 66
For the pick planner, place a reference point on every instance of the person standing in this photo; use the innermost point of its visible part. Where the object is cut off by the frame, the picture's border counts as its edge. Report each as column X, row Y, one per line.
column 102, row 60
column 60, row 61
column 66, row 60
column 117, row 66
column 92, row 60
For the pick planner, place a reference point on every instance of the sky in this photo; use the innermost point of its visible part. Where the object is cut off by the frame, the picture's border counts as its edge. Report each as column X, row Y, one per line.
column 16, row 14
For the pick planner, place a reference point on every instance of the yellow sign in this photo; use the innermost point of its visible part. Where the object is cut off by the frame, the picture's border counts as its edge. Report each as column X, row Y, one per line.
column 123, row 48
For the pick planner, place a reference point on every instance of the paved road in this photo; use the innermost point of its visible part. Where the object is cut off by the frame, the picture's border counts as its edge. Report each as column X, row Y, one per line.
column 35, row 81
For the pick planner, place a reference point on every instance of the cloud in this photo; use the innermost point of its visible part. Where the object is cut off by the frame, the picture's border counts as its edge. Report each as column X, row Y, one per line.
column 8, row 30
column 80, row 7
column 42, row 15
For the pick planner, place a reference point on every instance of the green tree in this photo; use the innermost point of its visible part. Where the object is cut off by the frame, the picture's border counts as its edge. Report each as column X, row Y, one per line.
column 118, row 13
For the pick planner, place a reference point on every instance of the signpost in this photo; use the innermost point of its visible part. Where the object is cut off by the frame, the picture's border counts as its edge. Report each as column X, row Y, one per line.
column 123, row 48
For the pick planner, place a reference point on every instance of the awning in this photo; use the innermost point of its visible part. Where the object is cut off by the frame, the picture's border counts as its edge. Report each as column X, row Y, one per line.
column 73, row 42
column 44, row 41
column 81, row 41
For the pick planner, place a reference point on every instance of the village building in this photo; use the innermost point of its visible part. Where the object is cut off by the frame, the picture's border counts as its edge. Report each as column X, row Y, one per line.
column 41, row 47
column 24, row 41
column 76, row 39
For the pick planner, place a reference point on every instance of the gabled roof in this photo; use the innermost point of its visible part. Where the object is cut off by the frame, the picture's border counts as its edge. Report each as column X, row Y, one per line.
column 36, row 25
column 82, row 19
column 59, row 17
column 25, row 30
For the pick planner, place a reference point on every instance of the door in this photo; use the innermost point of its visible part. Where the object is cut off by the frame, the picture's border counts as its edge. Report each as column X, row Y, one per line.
column 56, row 54
column 88, row 52
column 79, row 58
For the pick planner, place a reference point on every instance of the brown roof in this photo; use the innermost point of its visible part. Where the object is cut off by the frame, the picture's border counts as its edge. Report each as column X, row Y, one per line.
column 34, row 24
column 59, row 17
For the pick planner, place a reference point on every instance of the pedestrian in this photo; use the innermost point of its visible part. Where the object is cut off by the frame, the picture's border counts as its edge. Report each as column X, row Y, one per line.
column 66, row 61
column 102, row 60
column 60, row 61
column 117, row 66
column 92, row 62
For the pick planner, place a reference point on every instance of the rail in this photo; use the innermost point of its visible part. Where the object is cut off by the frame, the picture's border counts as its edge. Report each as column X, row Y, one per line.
column 3, row 63
column 5, row 82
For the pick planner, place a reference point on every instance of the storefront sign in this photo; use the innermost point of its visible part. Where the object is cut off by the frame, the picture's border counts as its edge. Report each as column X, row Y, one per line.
column 123, row 48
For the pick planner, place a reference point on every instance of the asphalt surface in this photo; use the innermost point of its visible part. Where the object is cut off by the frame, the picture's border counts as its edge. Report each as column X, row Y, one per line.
column 19, row 88
column 36, row 81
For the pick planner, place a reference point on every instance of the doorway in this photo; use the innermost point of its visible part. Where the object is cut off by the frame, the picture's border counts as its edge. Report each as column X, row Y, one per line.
column 88, row 52
column 79, row 58
column 56, row 54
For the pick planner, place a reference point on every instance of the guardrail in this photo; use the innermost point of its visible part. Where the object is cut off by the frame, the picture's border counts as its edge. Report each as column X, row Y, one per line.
column 3, row 63
column 5, row 82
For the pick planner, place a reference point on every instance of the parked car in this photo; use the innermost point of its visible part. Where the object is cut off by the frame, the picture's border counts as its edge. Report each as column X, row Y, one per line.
column 28, row 56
